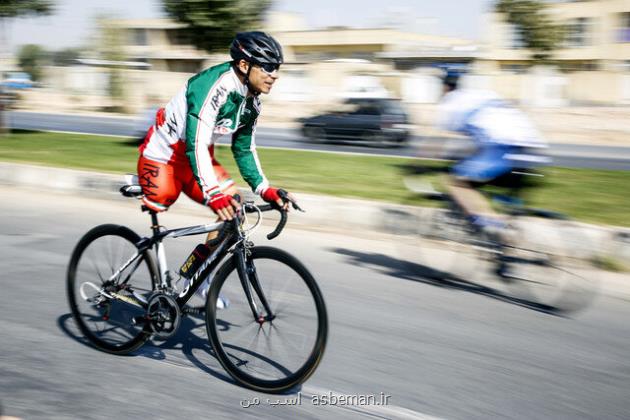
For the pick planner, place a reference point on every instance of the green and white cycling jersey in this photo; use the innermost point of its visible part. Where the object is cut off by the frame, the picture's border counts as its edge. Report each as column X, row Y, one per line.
column 212, row 104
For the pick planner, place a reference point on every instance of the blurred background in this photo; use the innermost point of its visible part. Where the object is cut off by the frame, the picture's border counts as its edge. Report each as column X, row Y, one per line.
column 131, row 56
column 349, row 127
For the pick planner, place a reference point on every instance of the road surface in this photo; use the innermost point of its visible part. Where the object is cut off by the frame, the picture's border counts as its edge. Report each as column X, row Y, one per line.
column 437, row 349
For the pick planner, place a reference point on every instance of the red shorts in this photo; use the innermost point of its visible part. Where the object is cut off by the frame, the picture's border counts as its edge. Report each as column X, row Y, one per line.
column 163, row 182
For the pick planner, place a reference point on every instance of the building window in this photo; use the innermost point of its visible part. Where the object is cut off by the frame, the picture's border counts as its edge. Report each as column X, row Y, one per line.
column 515, row 37
column 579, row 32
column 138, row 37
column 362, row 55
column 184, row 66
column 575, row 66
column 514, row 68
column 179, row 37
column 623, row 33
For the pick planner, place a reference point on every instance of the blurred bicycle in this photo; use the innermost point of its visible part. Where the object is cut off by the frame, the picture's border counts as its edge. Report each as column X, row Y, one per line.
column 540, row 256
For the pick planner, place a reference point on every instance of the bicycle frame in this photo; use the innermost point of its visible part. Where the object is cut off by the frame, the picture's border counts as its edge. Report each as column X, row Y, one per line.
column 247, row 274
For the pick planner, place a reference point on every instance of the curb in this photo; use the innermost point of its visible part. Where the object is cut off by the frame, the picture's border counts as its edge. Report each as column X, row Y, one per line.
column 364, row 215
column 340, row 214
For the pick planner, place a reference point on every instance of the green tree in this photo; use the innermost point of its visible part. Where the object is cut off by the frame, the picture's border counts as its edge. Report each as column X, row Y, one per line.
column 11, row 9
column 30, row 59
column 538, row 32
column 66, row 56
column 110, row 49
column 17, row 8
column 212, row 24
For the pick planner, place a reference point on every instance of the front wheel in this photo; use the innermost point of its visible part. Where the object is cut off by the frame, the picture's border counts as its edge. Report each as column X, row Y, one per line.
column 276, row 343
column 545, row 261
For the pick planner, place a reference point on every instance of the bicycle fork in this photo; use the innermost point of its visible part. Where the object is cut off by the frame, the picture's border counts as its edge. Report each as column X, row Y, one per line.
column 248, row 276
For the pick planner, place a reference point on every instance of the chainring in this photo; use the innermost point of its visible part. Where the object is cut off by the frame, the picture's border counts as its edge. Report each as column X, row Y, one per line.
column 163, row 315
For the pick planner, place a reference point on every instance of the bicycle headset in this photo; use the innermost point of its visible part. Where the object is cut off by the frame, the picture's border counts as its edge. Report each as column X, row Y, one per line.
column 256, row 48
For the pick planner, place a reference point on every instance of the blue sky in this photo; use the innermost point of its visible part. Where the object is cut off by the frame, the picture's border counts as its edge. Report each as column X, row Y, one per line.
column 71, row 25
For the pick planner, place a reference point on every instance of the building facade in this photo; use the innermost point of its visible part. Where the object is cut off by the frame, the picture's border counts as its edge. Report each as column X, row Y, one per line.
column 592, row 65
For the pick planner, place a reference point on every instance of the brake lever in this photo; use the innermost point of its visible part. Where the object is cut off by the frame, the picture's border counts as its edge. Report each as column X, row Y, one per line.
column 296, row 207
column 285, row 197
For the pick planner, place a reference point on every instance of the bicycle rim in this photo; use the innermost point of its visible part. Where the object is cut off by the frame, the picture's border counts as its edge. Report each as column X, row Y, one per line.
column 442, row 250
column 103, row 308
column 547, row 264
column 276, row 355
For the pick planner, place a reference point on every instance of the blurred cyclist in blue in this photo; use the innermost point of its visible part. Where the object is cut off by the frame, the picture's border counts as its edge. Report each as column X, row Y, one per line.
column 505, row 141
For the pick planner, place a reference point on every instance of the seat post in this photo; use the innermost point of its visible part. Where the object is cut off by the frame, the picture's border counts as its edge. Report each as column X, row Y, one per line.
column 164, row 276
column 155, row 226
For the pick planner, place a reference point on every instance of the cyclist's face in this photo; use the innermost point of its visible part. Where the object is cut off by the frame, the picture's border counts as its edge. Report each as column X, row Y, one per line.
column 262, row 79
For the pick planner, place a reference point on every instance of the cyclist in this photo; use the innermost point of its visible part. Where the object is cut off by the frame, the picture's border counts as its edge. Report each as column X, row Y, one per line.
column 178, row 151
column 505, row 140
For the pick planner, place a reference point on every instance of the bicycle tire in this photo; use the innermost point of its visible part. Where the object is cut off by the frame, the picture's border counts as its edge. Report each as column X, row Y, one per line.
column 547, row 260
column 442, row 249
column 116, row 239
column 224, row 350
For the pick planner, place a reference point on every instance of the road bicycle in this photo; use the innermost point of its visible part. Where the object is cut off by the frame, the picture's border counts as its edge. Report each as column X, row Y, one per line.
column 265, row 315
column 539, row 256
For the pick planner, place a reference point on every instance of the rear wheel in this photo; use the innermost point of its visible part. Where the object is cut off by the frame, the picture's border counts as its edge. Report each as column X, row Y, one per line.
column 317, row 134
column 267, row 353
column 376, row 138
column 105, row 304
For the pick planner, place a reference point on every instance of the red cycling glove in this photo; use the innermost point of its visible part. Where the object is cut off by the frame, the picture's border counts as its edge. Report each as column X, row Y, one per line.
column 219, row 201
column 270, row 195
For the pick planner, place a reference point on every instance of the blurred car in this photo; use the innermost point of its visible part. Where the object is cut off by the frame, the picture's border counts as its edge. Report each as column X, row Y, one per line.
column 11, row 86
column 380, row 121
column 18, row 80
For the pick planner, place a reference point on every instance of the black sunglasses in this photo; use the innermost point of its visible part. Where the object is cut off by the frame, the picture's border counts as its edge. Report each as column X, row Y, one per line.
column 269, row 67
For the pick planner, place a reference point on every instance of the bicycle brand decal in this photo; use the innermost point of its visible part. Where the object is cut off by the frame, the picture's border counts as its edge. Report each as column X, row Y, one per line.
column 194, row 279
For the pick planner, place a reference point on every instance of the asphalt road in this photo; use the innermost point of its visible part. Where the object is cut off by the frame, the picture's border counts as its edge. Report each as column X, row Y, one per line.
column 580, row 156
column 438, row 349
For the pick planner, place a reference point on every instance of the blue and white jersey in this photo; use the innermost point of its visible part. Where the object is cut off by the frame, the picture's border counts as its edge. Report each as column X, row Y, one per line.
column 486, row 118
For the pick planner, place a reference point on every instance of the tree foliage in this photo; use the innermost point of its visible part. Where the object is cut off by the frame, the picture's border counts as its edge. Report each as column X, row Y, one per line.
column 31, row 59
column 66, row 56
column 17, row 8
column 538, row 32
column 212, row 24
column 110, row 48
column 12, row 9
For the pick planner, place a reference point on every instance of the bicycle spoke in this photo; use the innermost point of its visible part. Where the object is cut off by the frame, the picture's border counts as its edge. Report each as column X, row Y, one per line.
column 290, row 348
column 277, row 350
column 110, row 325
column 98, row 272
column 133, row 270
